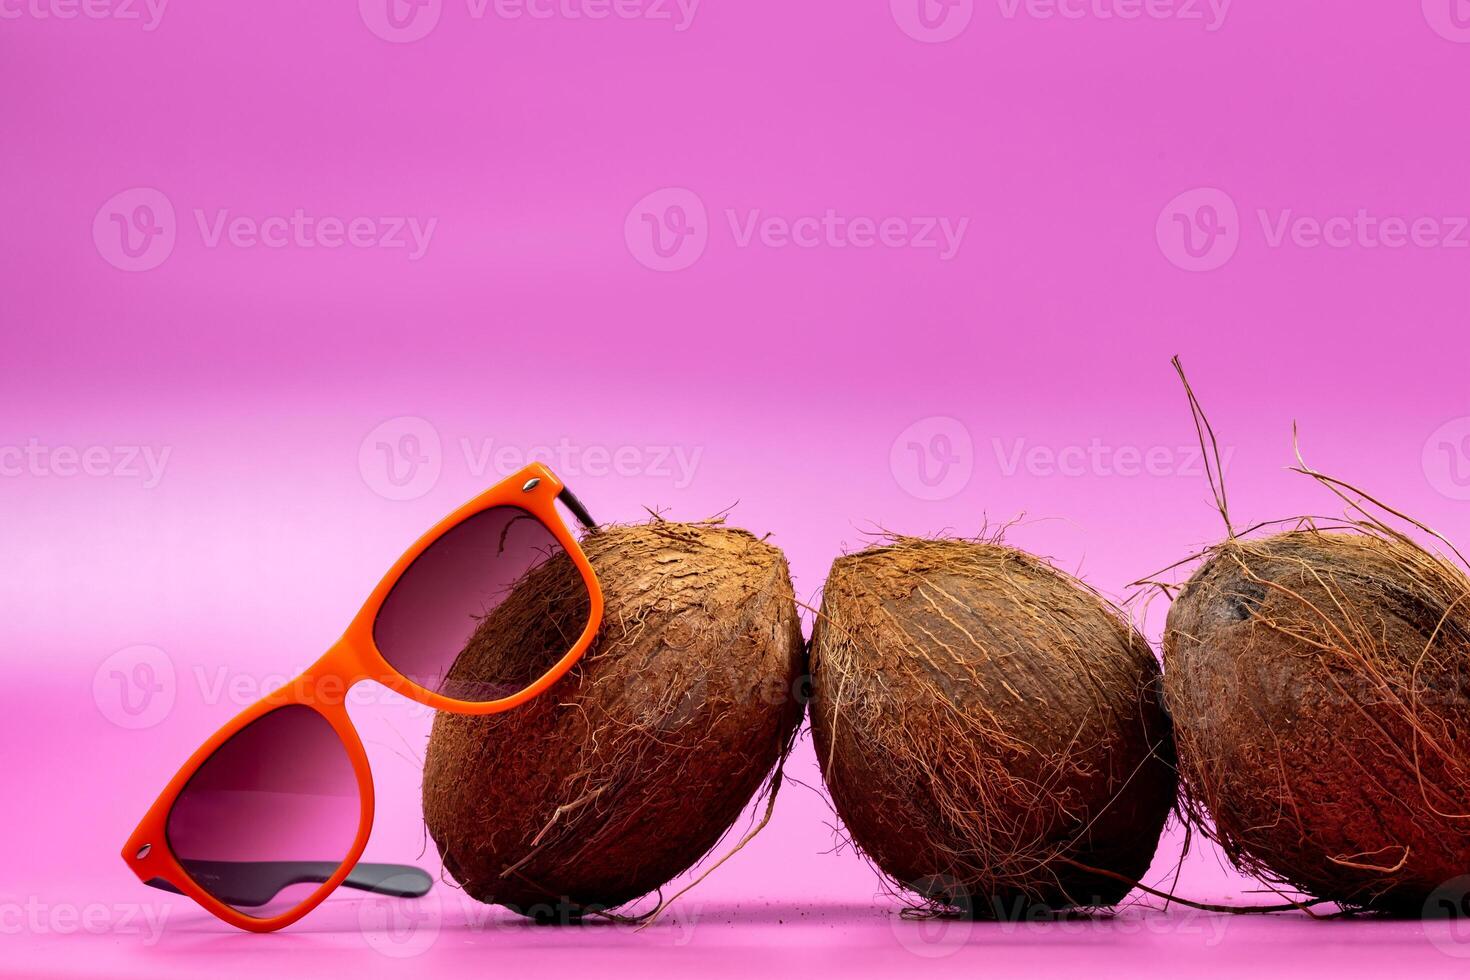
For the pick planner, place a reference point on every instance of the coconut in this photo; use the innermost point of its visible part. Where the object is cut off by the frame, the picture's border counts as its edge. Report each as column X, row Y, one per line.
column 1318, row 685
column 635, row 764
column 990, row 729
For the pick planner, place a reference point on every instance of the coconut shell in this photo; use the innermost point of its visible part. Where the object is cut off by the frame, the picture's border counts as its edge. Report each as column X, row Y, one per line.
column 635, row 764
column 1320, row 689
column 987, row 726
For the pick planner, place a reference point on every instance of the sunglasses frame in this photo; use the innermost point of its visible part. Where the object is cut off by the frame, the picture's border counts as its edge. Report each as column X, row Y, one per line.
column 355, row 657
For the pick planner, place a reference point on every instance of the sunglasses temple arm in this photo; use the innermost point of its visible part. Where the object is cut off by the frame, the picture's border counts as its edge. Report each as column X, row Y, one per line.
column 578, row 510
column 396, row 880
column 263, row 879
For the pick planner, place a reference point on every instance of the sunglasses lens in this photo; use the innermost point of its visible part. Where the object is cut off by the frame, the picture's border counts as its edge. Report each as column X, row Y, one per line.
column 271, row 815
column 486, row 611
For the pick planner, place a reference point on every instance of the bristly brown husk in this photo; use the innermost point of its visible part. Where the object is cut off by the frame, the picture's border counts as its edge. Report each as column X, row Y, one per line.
column 988, row 727
column 632, row 767
column 1320, row 689
column 1319, row 682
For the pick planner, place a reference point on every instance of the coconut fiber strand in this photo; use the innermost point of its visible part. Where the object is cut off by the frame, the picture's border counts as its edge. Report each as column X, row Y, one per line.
column 1318, row 684
column 635, row 764
column 989, row 728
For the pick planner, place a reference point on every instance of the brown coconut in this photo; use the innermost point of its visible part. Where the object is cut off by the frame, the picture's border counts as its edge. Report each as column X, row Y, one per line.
column 1320, row 689
column 990, row 729
column 635, row 764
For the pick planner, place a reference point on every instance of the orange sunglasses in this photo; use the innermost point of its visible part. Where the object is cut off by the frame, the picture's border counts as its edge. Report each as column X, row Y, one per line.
column 271, row 814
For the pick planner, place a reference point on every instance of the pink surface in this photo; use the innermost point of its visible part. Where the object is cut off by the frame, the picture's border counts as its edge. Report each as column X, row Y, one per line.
column 285, row 282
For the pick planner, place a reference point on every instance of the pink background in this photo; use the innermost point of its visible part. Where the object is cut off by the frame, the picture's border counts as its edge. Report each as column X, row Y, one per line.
column 800, row 379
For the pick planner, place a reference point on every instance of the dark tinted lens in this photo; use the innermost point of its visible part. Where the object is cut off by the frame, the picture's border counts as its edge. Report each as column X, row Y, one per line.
column 271, row 815
column 487, row 610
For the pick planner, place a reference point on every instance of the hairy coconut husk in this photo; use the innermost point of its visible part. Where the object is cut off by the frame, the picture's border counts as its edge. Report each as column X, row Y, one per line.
column 990, row 729
column 633, row 766
column 1320, row 689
